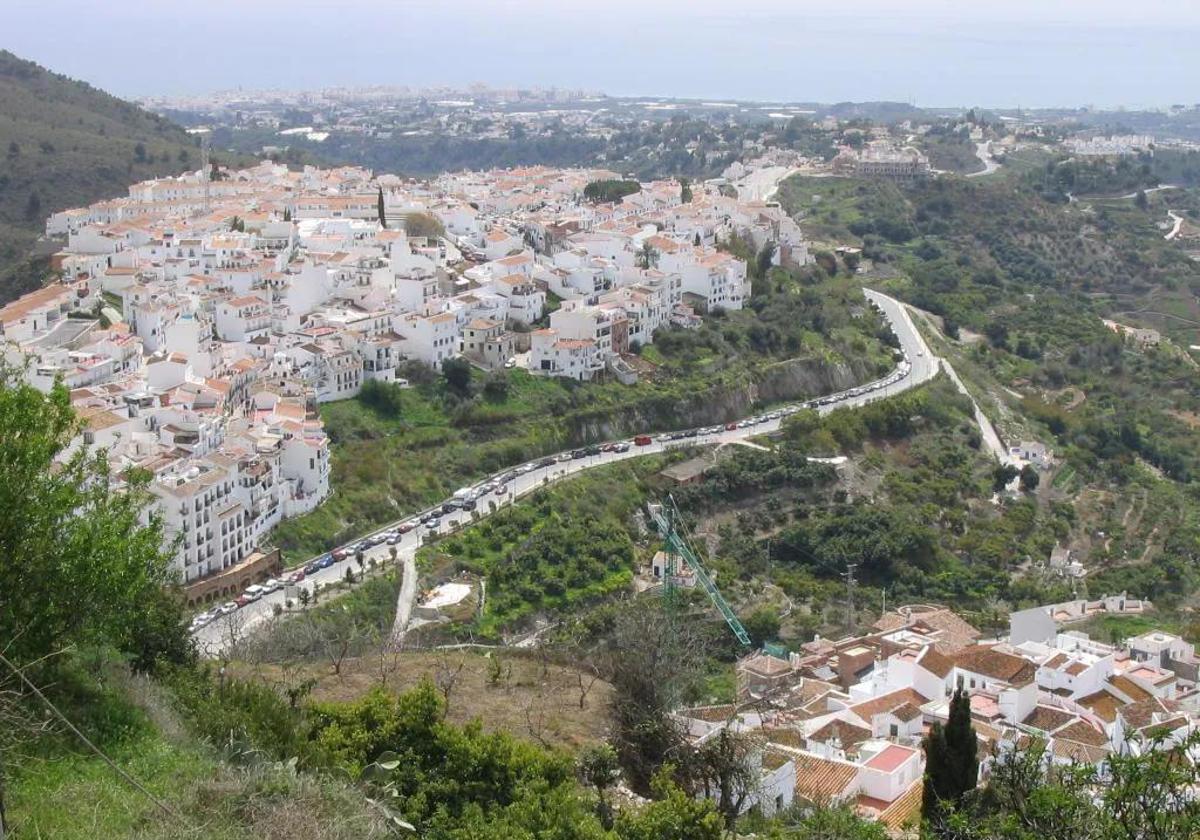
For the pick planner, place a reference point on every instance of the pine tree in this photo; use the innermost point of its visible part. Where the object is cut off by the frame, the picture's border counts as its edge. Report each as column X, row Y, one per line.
column 951, row 758
column 379, row 205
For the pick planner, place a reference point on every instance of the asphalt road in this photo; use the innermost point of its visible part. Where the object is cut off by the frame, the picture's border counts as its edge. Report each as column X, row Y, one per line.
column 983, row 151
column 218, row 635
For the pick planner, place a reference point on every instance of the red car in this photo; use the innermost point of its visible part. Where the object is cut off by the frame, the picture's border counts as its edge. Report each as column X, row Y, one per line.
column 339, row 554
column 729, row 427
column 642, row 440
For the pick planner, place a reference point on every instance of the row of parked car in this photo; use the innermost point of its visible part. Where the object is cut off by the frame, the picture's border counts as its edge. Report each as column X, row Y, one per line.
column 468, row 498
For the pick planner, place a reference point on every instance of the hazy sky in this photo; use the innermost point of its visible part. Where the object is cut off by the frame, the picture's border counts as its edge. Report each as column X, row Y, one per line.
column 934, row 52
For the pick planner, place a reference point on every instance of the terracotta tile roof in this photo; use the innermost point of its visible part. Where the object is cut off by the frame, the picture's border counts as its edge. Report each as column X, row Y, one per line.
column 1047, row 718
column 1075, row 751
column 1081, row 731
column 766, row 665
column 886, row 702
column 986, row 660
column 785, row 736
column 36, row 299
column 848, row 734
column 822, row 780
column 1142, row 713
column 1164, row 727
column 1129, row 688
column 956, row 633
column 710, row 714
column 1102, row 704
column 905, row 810
column 936, row 663
column 906, row 712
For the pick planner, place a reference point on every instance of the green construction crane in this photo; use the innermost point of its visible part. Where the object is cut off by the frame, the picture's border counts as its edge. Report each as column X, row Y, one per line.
column 676, row 547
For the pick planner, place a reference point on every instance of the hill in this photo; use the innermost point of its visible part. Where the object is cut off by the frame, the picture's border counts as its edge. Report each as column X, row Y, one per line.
column 64, row 143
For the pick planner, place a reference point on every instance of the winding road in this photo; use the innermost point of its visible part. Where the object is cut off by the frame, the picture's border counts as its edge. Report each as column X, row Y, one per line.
column 983, row 151
column 1176, row 224
column 218, row 635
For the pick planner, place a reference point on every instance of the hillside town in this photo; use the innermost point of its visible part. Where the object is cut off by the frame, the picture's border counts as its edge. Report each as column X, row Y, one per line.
column 201, row 320
column 842, row 722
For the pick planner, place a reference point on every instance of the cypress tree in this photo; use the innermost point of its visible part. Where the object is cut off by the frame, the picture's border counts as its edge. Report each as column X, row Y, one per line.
column 951, row 757
column 379, row 206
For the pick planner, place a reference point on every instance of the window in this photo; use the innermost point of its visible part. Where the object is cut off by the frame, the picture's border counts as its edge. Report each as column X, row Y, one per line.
column 893, row 730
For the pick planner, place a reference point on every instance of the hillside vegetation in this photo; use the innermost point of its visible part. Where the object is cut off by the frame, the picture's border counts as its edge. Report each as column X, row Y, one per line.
column 63, row 143
column 1020, row 276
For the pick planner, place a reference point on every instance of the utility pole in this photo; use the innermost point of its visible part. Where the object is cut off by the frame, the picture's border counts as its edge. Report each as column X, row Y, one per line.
column 851, row 622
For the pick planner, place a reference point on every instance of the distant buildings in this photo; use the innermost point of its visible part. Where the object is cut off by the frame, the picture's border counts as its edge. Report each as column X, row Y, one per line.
column 1117, row 145
column 882, row 160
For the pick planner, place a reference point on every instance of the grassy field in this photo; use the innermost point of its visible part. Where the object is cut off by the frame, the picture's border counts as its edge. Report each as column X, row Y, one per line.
column 509, row 691
column 1108, row 628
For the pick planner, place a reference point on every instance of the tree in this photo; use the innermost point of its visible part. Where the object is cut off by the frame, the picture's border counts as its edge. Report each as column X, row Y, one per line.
column 139, row 152
column 379, row 209
column 722, row 770
column 838, row 823
column 33, row 207
column 652, row 661
column 287, row 214
column 762, row 262
column 81, row 564
column 1002, row 476
column 1140, row 200
column 1029, row 478
column 609, row 190
column 762, row 625
column 1143, row 794
column 457, row 372
column 951, row 759
column 672, row 816
column 423, row 225
column 647, row 257
column 598, row 768
column 496, row 387
column 685, row 191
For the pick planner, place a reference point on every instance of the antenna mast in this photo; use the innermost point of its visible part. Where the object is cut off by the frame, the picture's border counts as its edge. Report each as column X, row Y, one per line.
column 205, row 170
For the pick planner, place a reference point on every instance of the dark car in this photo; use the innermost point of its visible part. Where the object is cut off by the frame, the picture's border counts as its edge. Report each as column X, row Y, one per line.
column 546, row 462
column 312, row 568
column 579, row 453
column 325, row 562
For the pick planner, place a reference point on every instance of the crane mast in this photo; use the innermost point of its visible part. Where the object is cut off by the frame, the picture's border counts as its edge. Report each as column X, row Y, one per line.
column 677, row 547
